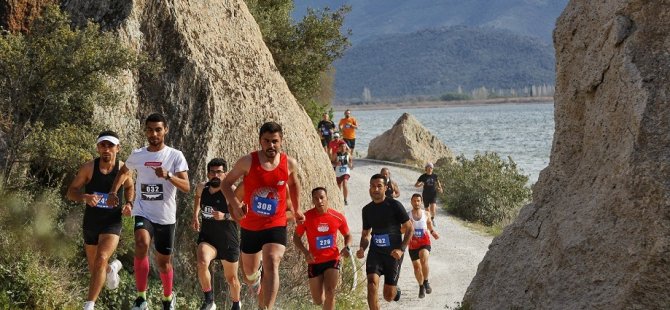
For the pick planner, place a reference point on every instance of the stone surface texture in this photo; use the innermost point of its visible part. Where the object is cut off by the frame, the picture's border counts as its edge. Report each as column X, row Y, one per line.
column 597, row 234
column 16, row 15
column 408, row 142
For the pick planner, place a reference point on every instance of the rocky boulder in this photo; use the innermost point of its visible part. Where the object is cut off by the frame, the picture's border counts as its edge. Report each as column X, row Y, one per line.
column 408, row 142
column 597, row 234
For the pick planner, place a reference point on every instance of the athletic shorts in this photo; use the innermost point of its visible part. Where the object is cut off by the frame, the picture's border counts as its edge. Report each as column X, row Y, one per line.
column 224, row 239
column 91, row 235
column 384, row 265
column 162, row 235
column 252, row 242
column 315, row 270
column 414, row 254
column 350, row 142
column 428, row 199
column 326, row 140
column 342, row 178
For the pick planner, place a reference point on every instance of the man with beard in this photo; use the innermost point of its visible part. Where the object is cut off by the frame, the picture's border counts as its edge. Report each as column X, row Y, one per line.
column 267, row 175
column 392, row 189
column 219, row 234
column 383, row 220
column 161, row 170
column 102, row 223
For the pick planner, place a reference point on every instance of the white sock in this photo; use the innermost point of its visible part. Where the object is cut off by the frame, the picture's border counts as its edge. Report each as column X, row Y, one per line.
column 89, row 305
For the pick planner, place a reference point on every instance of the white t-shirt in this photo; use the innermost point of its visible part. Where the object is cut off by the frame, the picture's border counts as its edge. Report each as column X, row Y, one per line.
column 155, row 198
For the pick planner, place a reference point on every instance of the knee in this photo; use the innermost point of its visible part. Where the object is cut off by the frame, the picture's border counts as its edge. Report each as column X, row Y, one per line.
column 141, row 248
column 273, row 260
column 232, row 279
column 203, row 263
column 101, row 259
column 372, row 286
column 389, row 295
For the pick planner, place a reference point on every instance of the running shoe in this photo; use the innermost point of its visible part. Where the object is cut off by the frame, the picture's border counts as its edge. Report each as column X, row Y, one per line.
column 140, row 304
column 427, row 286
column 346, row 203
column 237, row 306
column 170, row 304
column 397, row 295
column 422, row 291
column 113, row 279
column 208, row 306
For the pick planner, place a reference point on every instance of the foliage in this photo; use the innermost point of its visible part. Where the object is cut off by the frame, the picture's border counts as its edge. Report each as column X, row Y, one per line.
column 303, row 51
column 486, row 189
column 455, row 97
column 50, row 79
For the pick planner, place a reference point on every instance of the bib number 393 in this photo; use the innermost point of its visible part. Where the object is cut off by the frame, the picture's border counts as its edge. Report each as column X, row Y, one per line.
column 264, row 206
column 382, row 241
column 324, row 242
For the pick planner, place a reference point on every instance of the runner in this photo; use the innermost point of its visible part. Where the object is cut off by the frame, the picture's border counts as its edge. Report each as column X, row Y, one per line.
column 102, row 223
column 161, row 170
column 431, row 186
column 383, row 219
column 334, row 147
column 219, row 235
column 267, row 175
column 419, row 246
column 323, row 257
column 326, row 128
column 342, row 167
column 348, row 126
column 392, row 189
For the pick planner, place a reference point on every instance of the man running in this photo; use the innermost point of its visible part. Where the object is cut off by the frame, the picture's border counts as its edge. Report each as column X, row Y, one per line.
column 342, row 171
column 334, row 146
column 392, row 189
column 383, row 220
column 267, row 175
column 102, row 223
column 326, row 128
column 161, row 170
column 431, row 186
column 219, row 234
column 323, row 257
column 419, row 246
column 348, row 126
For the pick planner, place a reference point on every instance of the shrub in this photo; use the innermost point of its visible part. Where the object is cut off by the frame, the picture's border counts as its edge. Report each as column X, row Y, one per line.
column 486, row 189
column 455, row 97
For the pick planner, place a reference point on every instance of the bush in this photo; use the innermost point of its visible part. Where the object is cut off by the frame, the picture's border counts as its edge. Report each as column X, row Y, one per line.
column 455, row 97
column 486, row 189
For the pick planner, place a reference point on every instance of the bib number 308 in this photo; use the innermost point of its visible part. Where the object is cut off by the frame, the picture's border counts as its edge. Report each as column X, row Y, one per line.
column 264, row 206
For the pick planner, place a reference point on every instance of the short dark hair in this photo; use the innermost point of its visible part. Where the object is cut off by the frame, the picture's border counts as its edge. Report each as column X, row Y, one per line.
column 156, row 117
column 417, row 195
column 316, row 189
column 218, row 162
column 271, row 127
column 378, row 176
column 108, row 133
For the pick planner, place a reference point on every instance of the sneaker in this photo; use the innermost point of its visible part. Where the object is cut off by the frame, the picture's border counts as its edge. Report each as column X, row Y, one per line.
column 208, row 306
column 422, row 291
column 397, row 295
column 140, row 304
column 89, row 305
column 237, row 306
column 170, row 304
column 346, row 203
column 113, row 279
column 427, row 286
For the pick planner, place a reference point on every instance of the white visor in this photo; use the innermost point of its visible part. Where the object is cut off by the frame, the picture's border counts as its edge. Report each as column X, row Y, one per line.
column 112, row 139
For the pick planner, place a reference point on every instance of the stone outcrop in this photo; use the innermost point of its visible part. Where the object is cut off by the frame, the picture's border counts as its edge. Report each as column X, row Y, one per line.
column 597, row 234
column 16, row 15
column 408, row 142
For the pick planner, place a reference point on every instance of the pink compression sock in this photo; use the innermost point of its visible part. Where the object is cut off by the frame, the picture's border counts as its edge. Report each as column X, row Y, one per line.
column 141, row 273
column 166, row 278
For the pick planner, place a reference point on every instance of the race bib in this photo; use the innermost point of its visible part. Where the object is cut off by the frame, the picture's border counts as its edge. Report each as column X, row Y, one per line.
column 342, row 169
column 347, row 126
column 325, row 131
column 151, row 191
column 102, row 203
column 324, row 242
column 382, row 241
column 418, row 233
column 207, row 212
column 264, row 206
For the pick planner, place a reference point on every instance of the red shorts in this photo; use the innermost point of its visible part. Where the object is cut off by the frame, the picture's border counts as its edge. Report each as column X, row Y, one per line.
column 342, row 178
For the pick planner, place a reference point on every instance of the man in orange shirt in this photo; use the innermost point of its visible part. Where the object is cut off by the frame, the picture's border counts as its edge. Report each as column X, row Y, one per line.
column 348, row 126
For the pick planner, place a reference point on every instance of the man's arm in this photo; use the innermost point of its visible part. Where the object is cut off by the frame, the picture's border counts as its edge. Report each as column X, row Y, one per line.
column 419, row 182
column 346, row 251
column 74, row 191
column 196, row 206
column 396, row 189
column 129, row 193
column 240, row 169
column 408, row 228
column 433, row 233
column 364, row 243
column 297, row 240
column 124, row 173
column 294, row 189
column 439, row 186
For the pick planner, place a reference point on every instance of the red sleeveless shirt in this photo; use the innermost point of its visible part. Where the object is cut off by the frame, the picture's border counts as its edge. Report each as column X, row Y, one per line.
column 265, row 195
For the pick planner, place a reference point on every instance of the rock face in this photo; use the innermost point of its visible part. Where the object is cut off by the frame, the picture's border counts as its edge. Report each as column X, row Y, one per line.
column 597, row 234
column 408, row 142
column 16, row 15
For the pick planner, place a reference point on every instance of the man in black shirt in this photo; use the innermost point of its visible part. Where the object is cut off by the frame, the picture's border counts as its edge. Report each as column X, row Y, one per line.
column 431, row 186
column 326, row 129
column 383, row 220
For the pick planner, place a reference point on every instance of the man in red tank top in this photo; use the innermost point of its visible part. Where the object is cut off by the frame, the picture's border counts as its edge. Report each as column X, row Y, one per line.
column 267, row 175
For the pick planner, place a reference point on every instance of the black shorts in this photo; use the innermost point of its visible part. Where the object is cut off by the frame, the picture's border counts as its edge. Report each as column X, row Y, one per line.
column 91, row 235
column 384, row 265
column 252, row 242
column 315, row 270
column 350, row 142
column 224, row 237
column 162, row 235
column 325, row 140
column 429, row 198
column 414, row 254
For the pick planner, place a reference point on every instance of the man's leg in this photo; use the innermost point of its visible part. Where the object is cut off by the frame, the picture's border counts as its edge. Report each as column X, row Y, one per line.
column 389, row 291
column 272, row 255
column 330, row 277
column 433, row 207
column 316, row 289
column 230, row 273
column 106, row 245
column 418, row 271
column 141, row 261
column 423, row 257
column 373, row 283
column 345, row 188
column 250, row 264
column 205, row 254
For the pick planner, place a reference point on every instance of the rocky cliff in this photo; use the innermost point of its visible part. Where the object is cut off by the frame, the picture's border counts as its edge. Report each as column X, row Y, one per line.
column 16, row 15
column 408, row 142
column 597, row 234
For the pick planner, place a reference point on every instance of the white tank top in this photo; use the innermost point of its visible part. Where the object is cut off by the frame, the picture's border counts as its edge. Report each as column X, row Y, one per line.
column 421, row 222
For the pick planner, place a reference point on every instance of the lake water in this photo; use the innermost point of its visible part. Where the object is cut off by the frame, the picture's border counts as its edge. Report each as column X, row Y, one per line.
column 521, row 131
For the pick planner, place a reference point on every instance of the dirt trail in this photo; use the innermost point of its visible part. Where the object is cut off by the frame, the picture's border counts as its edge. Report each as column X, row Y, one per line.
column 454, row 257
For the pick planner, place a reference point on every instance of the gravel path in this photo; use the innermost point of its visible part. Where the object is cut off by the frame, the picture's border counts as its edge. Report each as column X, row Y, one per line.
column 454, row 257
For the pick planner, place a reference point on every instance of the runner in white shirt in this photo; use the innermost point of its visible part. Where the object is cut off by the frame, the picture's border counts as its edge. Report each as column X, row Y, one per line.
column 161, row 170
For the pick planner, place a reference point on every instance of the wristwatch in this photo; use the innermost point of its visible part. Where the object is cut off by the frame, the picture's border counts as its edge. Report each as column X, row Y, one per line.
column 169, row 175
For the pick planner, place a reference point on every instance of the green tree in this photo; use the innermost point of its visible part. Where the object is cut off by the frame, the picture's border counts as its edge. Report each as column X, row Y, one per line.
column 303, row 51
column 50, row 80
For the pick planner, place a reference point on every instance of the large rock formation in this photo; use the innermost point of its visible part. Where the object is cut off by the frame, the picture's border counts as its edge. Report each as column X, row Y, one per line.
column 408, row 142
column 16, row 15
column 597, row 235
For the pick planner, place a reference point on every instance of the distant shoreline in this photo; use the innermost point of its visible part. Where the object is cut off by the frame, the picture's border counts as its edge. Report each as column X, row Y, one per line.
column 439, row 104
